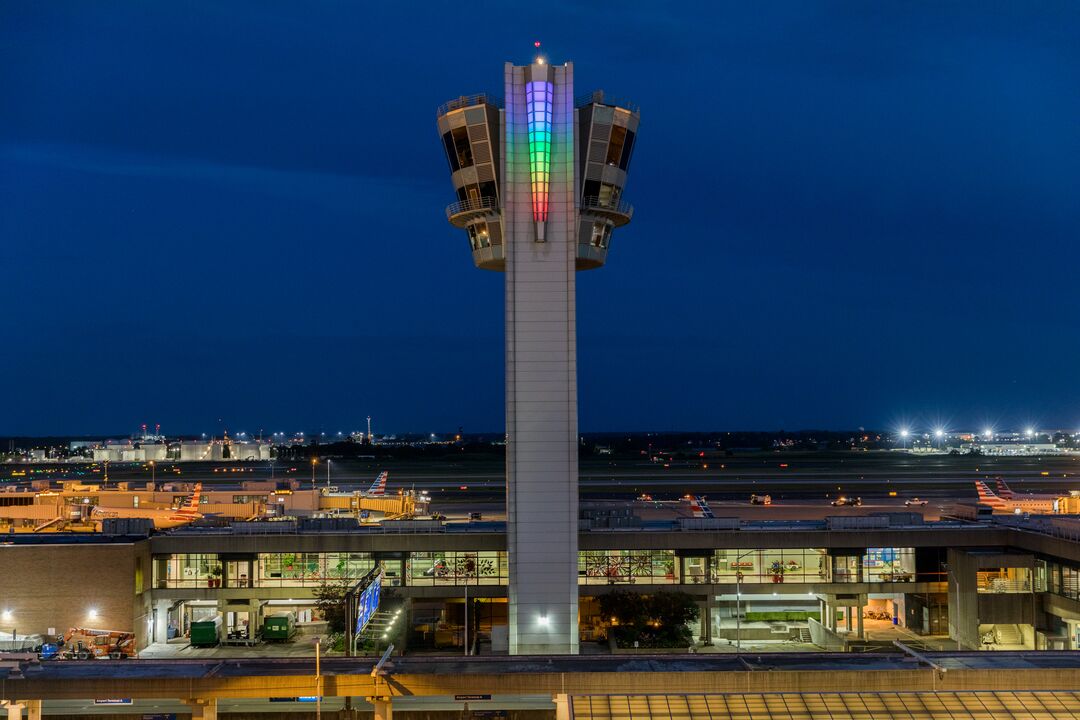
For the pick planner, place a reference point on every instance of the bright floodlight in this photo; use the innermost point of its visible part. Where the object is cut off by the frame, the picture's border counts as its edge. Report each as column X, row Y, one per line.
column 904, row 432
column 988, row 433
column 1029, row 432
column 939, row 433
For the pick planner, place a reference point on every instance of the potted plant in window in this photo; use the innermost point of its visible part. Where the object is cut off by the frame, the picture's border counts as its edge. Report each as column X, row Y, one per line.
column 215, row 576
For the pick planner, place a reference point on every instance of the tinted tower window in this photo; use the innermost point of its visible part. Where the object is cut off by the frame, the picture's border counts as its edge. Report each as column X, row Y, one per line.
column 615, row 146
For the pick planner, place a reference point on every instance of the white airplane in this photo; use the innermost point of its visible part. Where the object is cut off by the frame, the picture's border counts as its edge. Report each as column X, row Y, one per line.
column 1038, row 504
column 1006, row 493
column 163, row 519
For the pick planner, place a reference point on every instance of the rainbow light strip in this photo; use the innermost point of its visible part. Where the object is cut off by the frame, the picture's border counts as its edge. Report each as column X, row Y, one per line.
column 538, row 105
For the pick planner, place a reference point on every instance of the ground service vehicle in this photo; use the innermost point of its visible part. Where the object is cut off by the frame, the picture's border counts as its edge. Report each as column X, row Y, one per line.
column 844, row 500
column 88, row 644
column 761, row 499
column 915, row 502
column 206, row 633
column 279, row 627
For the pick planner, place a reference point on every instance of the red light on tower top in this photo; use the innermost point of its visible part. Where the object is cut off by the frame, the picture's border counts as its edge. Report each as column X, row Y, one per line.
column 536, row 44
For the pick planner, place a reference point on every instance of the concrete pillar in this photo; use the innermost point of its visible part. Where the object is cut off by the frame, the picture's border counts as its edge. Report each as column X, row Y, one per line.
column 203, row 709
column 161, row 620
column 848, row 619
column 821, row 613
column 706, row 621
column 859, row 619
column 14, row 711
column 562, row 706
column 384, row 709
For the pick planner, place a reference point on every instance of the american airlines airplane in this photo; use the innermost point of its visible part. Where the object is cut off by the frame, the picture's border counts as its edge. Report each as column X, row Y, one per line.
column 1039, row 504
column 1006, row 493
column 378, row 488
column 163, row 519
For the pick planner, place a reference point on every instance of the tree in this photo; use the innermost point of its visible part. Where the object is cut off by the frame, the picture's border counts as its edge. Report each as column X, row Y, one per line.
column 658, row 620
column 330, row 599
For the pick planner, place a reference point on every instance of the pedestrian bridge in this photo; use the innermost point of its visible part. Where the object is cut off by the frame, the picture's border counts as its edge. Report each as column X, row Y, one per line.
column 838, row 686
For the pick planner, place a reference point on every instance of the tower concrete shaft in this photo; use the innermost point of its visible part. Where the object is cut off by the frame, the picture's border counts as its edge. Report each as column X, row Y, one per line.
column 541, row 372
column 539, row 183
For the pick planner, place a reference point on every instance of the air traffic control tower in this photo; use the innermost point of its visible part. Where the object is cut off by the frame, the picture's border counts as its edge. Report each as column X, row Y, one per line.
column 539, row 180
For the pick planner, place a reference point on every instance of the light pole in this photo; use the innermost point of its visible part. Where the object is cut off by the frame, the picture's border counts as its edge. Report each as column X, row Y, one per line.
column 314, row 462
column 153, row 473
column 904, row 432
column 738, row 597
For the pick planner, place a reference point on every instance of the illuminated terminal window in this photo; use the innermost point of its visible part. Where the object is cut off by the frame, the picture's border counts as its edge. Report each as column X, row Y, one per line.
column 613, row 567
column 456, row 568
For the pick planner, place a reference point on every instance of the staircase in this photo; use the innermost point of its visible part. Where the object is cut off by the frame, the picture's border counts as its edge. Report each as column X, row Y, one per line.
column 1008, row 635
column 803, row 636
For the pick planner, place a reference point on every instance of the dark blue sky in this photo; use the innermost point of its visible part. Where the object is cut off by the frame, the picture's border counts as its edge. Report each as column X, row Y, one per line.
column 846, row 214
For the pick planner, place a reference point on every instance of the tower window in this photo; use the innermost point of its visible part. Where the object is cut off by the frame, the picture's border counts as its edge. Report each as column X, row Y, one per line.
column 615, row 145
column 601, row 235
column 479, row 237
column 462, row 148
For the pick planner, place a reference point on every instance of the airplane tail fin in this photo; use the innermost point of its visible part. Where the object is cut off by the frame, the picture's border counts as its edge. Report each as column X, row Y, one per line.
column 378, row 488
column 1003, row 490
column 191, row 506
column 700, row 507
column 987, row 496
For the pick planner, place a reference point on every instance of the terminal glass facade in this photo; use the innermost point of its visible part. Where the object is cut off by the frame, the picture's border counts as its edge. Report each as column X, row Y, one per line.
column 612, row 567
column 771, row 565
column 485, row 567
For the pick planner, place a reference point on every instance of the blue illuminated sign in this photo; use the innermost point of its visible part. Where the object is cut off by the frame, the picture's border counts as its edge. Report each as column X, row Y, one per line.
column 368, row 603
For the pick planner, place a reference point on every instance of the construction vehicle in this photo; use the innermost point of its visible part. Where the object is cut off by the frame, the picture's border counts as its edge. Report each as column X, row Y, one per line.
column 90, row 644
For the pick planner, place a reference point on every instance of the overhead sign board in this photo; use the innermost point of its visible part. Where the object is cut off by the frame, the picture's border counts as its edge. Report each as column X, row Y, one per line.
column 368, row 602
column 472, row 697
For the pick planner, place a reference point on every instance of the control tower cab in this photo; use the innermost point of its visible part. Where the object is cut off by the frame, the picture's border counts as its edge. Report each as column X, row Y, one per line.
column 599, row 140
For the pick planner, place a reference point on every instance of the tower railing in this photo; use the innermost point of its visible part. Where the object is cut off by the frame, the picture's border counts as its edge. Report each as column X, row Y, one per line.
column 601, row 98
column 472, row 205
column 592, row 202
column 468, row 101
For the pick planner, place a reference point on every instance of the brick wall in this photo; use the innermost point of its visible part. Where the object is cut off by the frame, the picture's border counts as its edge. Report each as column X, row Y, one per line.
column 57, row 586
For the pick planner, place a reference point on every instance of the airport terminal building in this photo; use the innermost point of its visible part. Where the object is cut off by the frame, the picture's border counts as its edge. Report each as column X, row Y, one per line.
column 996, row 583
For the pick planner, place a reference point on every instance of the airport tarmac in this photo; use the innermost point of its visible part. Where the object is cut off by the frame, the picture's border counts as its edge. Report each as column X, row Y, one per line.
column 797, row 482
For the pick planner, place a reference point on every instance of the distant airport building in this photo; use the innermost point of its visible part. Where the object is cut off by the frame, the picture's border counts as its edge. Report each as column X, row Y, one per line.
column 196, row 450
column 1016, row 448
column 539, row 180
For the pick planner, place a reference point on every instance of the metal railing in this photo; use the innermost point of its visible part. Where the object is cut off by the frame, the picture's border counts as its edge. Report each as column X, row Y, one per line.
column 599, row 97
column 1004, row 585
column 465, row 101
column 472, row 205
column 619, row 206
